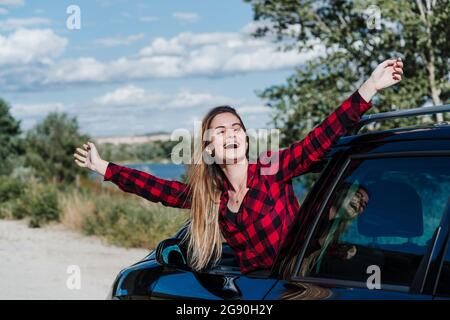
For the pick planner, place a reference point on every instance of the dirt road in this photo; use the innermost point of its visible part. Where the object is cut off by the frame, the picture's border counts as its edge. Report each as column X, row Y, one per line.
column 55, row 263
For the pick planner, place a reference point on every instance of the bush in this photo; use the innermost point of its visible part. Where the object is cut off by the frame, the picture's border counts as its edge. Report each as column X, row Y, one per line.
column 5, row 209
column 10, row 189
column 132, row 222
column 44, row 207
column 39, row 204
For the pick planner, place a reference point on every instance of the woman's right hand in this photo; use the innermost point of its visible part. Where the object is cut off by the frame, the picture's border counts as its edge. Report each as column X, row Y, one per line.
column 88, row 157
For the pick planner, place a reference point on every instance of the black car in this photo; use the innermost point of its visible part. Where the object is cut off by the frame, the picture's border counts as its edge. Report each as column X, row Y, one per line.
column 375, row 225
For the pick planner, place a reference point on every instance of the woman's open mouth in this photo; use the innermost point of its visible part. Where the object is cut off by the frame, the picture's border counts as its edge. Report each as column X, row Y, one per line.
column 354, row 205
column 231, row 145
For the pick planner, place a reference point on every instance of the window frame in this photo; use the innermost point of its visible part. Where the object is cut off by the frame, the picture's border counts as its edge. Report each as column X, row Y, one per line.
column 438, row 277
column 417, row 286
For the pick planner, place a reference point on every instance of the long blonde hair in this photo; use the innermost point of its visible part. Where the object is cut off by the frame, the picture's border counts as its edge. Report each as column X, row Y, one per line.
column 205, row 180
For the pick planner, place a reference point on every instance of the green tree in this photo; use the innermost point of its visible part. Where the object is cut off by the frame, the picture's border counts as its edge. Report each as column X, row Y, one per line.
column 50, row 147
column 350, row 38
column 10, row 140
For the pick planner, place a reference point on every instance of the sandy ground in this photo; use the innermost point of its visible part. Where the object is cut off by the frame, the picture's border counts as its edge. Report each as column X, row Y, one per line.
column 36, row 263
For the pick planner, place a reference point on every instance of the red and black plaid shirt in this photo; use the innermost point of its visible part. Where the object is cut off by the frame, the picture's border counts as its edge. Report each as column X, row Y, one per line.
column 268, row 209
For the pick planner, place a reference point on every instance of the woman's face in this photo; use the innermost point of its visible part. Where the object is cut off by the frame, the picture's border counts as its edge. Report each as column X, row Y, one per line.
column 228, row 139
column 357, row 204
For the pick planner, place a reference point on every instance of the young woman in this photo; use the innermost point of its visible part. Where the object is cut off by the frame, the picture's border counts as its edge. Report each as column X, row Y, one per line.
column 232, row 198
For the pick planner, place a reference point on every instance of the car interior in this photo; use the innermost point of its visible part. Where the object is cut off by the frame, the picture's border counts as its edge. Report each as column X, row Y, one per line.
column 394, row 210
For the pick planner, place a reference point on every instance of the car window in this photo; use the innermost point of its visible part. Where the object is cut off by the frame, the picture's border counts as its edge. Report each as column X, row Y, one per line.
column 382, row 213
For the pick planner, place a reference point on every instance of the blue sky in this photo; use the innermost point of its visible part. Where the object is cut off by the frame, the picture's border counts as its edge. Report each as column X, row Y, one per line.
column 136, row 67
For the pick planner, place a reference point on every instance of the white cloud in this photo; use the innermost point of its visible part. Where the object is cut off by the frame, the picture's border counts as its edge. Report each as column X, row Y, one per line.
column 84, row 69
column 3, row 11
column 161, row 46
column 138, row 110
column 32, row 114
column 13, row 23
column 12, row 3
column 187, row 99
column 190, row 39
column 120, row 40
column 186, row 16
column 131, row 95
column 187, row 54
column 36, row 109
column 26, row 46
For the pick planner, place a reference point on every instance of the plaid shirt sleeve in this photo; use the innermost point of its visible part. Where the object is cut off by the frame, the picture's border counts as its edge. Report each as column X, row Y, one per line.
column 170, row 193
column 298, row 157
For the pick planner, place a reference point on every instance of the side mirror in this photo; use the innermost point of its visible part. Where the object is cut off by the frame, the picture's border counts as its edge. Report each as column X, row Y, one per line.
column 169, row 253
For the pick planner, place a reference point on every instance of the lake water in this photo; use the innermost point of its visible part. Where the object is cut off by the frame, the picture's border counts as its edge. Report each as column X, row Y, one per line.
column 168, row 171
column 162, row 170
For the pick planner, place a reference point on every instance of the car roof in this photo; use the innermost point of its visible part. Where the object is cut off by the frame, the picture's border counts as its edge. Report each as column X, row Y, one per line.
column 436, row 132
column 431, row 131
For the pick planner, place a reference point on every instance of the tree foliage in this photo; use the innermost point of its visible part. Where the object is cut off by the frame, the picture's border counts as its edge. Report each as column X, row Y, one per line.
column 50, row 147
column 350, row 38
column 10, row 143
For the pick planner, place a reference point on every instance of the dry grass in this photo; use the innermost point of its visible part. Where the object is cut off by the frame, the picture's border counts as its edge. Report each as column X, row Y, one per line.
column 93, row 208
column 75, row 207
column 121, row 218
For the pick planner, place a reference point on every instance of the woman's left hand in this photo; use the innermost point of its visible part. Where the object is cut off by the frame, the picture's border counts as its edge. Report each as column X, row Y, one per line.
column 387, row 73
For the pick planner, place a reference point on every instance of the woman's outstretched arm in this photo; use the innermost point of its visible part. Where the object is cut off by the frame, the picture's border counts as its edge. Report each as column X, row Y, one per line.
column 168, row 192
column 298, row 157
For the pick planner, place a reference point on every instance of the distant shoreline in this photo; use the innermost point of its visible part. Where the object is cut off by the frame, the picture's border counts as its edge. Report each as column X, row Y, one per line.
column 117, row 140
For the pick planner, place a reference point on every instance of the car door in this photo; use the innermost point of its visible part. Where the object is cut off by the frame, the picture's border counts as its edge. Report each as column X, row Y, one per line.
column 224, row 281
column 378, row 233
column 217, row 284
